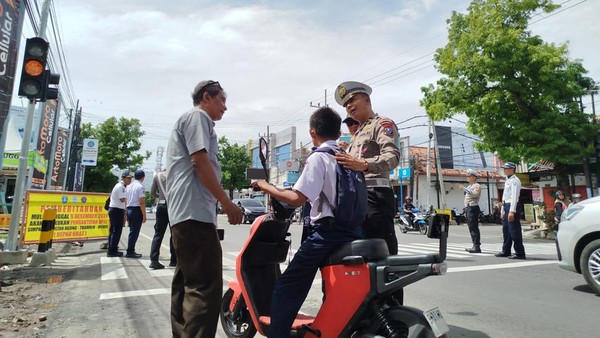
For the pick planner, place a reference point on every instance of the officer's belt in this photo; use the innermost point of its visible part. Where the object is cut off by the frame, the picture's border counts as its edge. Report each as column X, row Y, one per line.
column 472, row 204
column 506, row 201
column 377, row 182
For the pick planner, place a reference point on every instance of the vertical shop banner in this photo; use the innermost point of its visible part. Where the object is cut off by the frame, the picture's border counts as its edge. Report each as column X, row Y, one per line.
column 9, row 27
column 79, row 172
column 59, row 160
column 44, row 144
column 444, row 143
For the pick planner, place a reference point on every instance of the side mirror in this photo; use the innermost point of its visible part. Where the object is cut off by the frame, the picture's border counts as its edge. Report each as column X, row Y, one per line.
column 264, row 154
column 438, row 225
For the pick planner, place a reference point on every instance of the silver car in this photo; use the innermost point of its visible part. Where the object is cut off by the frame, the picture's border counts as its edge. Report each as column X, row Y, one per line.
column 578, row 241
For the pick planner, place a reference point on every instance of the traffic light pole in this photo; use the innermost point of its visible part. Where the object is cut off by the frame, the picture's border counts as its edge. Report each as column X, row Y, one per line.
column 15, row 216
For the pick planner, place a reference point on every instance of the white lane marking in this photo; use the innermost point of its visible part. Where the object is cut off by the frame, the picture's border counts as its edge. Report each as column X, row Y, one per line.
column 112, row 268
column 500, row 266
column 135, row 293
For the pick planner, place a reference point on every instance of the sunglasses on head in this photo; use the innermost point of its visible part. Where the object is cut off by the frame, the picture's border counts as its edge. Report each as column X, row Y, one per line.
column 208, row 84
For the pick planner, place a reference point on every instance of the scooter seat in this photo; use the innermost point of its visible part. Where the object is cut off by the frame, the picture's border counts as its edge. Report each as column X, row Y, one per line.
column 398, row 260
column 300, row 320
column 369, row 249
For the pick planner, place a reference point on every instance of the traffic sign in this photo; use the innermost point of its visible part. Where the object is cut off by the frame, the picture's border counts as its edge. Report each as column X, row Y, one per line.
column 89, row 153
column 404, row 173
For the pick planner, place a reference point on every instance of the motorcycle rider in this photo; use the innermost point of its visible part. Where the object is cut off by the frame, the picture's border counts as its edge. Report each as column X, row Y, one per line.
column 408, row 210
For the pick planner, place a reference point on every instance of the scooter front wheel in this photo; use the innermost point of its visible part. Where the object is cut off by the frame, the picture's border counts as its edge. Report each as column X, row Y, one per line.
column 238, row 325
column 423, row 228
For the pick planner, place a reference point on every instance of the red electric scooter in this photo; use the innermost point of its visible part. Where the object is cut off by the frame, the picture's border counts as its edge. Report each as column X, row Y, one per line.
column 360, row 280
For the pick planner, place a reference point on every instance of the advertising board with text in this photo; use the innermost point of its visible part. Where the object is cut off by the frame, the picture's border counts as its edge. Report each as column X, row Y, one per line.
column 79, row 216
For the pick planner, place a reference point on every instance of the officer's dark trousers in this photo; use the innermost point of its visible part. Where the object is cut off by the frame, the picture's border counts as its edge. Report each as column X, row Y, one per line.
column 472, row 213
column 511, row 231
column 380, row 217
column 160, row 227
column 294, row 284
column 135, row 218
column 197, row 284
column 117, row 218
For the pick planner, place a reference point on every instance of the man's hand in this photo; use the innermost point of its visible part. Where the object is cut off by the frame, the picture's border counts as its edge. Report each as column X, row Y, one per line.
column 233, row 212
column 343, row 145
column 350, row 162
column 511, row 216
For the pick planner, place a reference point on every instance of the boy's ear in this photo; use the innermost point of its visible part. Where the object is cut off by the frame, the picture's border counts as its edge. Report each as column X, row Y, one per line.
column 339, row 134
column 312, row 133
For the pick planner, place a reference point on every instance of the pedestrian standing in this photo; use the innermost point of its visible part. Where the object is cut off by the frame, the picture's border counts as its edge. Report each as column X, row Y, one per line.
column 136, row 211
column 472, row 210
column 116, row 214
column 193, row 190
column 560, row 205
column 159, row 183
column 374, row 151
column 511, row 223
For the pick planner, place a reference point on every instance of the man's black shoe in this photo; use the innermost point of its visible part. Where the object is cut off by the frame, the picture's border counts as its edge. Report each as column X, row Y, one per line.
column 501, row 254
column 517, row 257
column 156, row 265
column 133, row 255
column 474, row 249
column 173, row 264
column 114, row 254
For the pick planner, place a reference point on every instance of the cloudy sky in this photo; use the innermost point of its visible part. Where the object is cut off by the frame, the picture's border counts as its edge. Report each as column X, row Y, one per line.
column 141, row 59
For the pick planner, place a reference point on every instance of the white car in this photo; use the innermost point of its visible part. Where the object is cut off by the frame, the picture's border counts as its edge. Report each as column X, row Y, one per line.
column 578, row 240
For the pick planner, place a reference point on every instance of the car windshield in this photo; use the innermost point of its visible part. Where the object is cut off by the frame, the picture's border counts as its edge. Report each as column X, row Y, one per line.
column 251, row 203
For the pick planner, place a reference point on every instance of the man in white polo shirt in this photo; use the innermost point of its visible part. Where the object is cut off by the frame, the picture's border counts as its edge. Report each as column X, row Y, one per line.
column 136, row 211
column 116, row 214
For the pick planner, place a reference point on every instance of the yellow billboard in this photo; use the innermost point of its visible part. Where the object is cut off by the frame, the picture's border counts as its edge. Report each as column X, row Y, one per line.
column 79, row 216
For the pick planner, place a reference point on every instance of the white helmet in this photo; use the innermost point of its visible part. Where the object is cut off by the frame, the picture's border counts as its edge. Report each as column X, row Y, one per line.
column 471, row 172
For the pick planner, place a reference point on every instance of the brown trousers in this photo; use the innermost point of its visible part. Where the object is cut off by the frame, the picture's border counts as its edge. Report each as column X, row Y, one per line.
column 197, row 285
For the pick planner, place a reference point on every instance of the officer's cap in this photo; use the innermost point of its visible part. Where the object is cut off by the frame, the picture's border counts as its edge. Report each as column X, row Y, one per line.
column 139, row 174
column 471, row 172
column 509, row 165
column 347, row 89
column 349, row 120
column 126, row 173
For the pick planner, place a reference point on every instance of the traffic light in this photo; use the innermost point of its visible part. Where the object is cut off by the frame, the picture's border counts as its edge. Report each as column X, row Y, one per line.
column 49, row 92
column 37, row 83
column 33, row 76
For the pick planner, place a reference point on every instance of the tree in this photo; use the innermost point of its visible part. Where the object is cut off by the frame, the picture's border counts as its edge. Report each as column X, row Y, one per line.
column 234, row 160
column 520, row 94
column 119, row 142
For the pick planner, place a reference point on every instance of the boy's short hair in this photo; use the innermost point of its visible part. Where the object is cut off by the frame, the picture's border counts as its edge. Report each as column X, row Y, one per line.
column 326, row 123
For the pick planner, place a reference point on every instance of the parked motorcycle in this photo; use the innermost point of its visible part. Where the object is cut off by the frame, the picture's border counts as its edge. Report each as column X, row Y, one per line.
column 359, row 279
column 419, row 222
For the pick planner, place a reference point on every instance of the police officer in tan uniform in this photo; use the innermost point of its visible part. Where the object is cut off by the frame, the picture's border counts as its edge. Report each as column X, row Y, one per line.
column 374, row 151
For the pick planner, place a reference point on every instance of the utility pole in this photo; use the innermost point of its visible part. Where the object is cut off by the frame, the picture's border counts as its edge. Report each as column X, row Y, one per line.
column 15, row 219
column 439, row 168
column 428, row 166
column 318, row 103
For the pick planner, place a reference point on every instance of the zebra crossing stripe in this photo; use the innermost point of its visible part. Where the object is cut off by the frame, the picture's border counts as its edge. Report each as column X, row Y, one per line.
column 112, row 268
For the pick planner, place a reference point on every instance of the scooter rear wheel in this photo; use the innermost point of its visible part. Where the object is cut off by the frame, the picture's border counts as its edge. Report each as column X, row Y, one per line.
column 239, row 327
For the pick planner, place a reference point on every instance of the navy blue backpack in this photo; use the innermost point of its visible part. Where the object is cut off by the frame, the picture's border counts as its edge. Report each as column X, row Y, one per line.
column 351, row 189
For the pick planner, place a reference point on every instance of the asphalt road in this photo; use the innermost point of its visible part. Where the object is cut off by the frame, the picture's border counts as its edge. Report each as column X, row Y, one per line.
column 480, row 296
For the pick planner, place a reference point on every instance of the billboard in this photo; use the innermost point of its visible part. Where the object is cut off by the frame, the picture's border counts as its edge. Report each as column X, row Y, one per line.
column 58, row 172
column 79, row 216
column 44, row 144
column 10, row 22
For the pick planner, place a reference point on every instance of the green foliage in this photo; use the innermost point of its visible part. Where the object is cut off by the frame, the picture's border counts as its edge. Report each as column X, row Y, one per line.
column 119, row 143
column 149, row 199
column 520, row 93
column 234, row 160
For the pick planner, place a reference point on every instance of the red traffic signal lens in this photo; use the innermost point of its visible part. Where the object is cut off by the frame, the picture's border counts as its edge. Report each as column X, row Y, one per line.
column 33, row 68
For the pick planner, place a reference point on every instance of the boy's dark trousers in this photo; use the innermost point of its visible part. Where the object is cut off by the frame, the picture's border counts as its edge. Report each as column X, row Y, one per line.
column 294, row 284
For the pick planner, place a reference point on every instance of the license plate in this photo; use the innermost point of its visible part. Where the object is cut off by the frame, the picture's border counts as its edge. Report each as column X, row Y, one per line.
column 436, row 321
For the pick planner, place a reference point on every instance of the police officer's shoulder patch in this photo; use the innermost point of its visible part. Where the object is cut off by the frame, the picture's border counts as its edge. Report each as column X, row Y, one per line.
column 387, row 126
